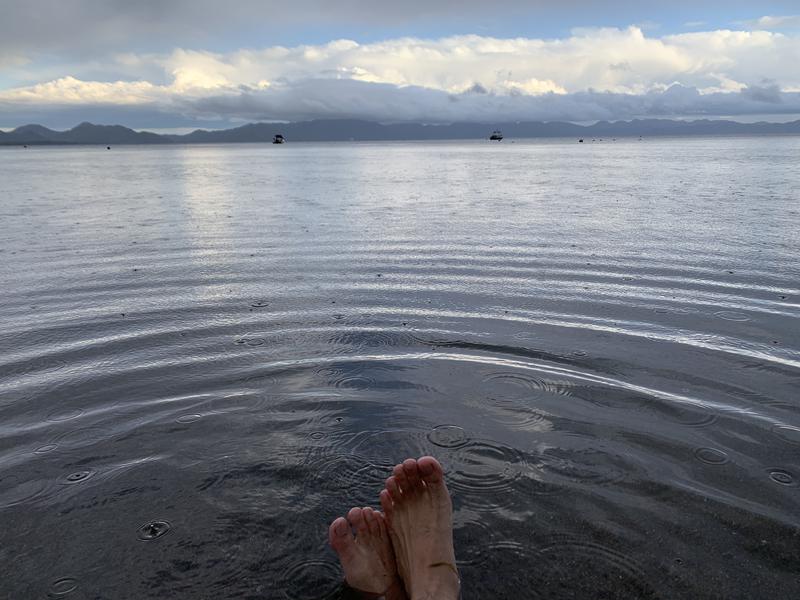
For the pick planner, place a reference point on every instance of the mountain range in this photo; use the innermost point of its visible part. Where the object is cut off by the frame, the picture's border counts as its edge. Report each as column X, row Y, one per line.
column 357, row 130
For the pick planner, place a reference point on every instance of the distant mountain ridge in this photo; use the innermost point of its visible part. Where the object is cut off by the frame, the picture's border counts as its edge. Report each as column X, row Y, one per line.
column 332, row 130
column 85, row 133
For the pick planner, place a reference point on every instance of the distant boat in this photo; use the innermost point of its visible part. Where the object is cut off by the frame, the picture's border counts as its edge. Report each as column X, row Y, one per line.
column 278, row 139
column 496, row 136
column 580, row 141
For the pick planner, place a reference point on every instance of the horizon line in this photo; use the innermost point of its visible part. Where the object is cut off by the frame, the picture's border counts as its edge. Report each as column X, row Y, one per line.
column 419, row 123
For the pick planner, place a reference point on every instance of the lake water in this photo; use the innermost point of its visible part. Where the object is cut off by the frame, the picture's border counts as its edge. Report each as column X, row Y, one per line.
column 209, row 352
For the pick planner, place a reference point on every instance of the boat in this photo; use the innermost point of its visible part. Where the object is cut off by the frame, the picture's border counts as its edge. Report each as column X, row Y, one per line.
column 496, row 136
column 278, row 139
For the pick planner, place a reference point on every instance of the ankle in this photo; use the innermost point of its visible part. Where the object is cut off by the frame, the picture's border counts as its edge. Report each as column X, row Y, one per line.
column 438, row 594
column 395, row 592
column 446, row 586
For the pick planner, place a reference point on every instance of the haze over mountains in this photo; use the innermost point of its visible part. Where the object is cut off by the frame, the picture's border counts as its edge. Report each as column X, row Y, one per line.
column 358, row 130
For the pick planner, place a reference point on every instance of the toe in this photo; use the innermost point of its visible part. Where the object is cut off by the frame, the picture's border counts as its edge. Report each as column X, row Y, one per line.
column 356, row 519
column 380, row 523
column 412, row 473
column 386, row 504
column 372, row 521
column 393, row 489
column 341, row 537
column 400, row 477
column 430, row 470
column 433, row 475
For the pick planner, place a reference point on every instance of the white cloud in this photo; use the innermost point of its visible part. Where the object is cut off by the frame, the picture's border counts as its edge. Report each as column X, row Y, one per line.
column 593, row 73
column 771, row 23
column 69, row 90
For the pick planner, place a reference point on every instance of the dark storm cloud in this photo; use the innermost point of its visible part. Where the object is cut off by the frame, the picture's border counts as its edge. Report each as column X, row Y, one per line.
column 353, row 99
column 81, row 25
column 327, row 98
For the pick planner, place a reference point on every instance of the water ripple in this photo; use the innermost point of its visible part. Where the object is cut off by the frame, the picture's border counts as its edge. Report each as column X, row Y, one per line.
column 244, row 353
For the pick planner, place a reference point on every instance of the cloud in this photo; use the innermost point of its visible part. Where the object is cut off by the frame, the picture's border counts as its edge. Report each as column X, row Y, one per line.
column 82, row 27
column 352, row 99
column 68, row 90
column 348, row 98
column 12, row 60
column 769, row 23
column 592, row 74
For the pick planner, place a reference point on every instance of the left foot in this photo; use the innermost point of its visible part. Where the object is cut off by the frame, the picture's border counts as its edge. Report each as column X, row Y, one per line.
column 367, row 558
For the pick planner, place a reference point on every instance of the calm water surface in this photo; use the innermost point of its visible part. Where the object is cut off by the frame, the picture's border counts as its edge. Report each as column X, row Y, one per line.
column 209, row 352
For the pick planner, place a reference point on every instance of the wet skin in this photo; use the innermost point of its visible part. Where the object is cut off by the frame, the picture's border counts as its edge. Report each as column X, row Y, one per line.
column 406, row 552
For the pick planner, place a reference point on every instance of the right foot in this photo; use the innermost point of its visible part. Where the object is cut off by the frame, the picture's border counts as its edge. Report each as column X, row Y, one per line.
column 420, row 514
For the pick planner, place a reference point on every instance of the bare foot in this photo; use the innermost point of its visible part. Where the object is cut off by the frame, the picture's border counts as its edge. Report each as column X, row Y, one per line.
column 367, row 558
column 417, row 505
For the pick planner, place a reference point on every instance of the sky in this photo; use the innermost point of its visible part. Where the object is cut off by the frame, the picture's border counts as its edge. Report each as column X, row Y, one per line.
column 182, row 64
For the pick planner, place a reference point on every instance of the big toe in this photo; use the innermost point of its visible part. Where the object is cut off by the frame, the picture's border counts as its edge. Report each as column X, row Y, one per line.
column 431, row 472
column 341, row 537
